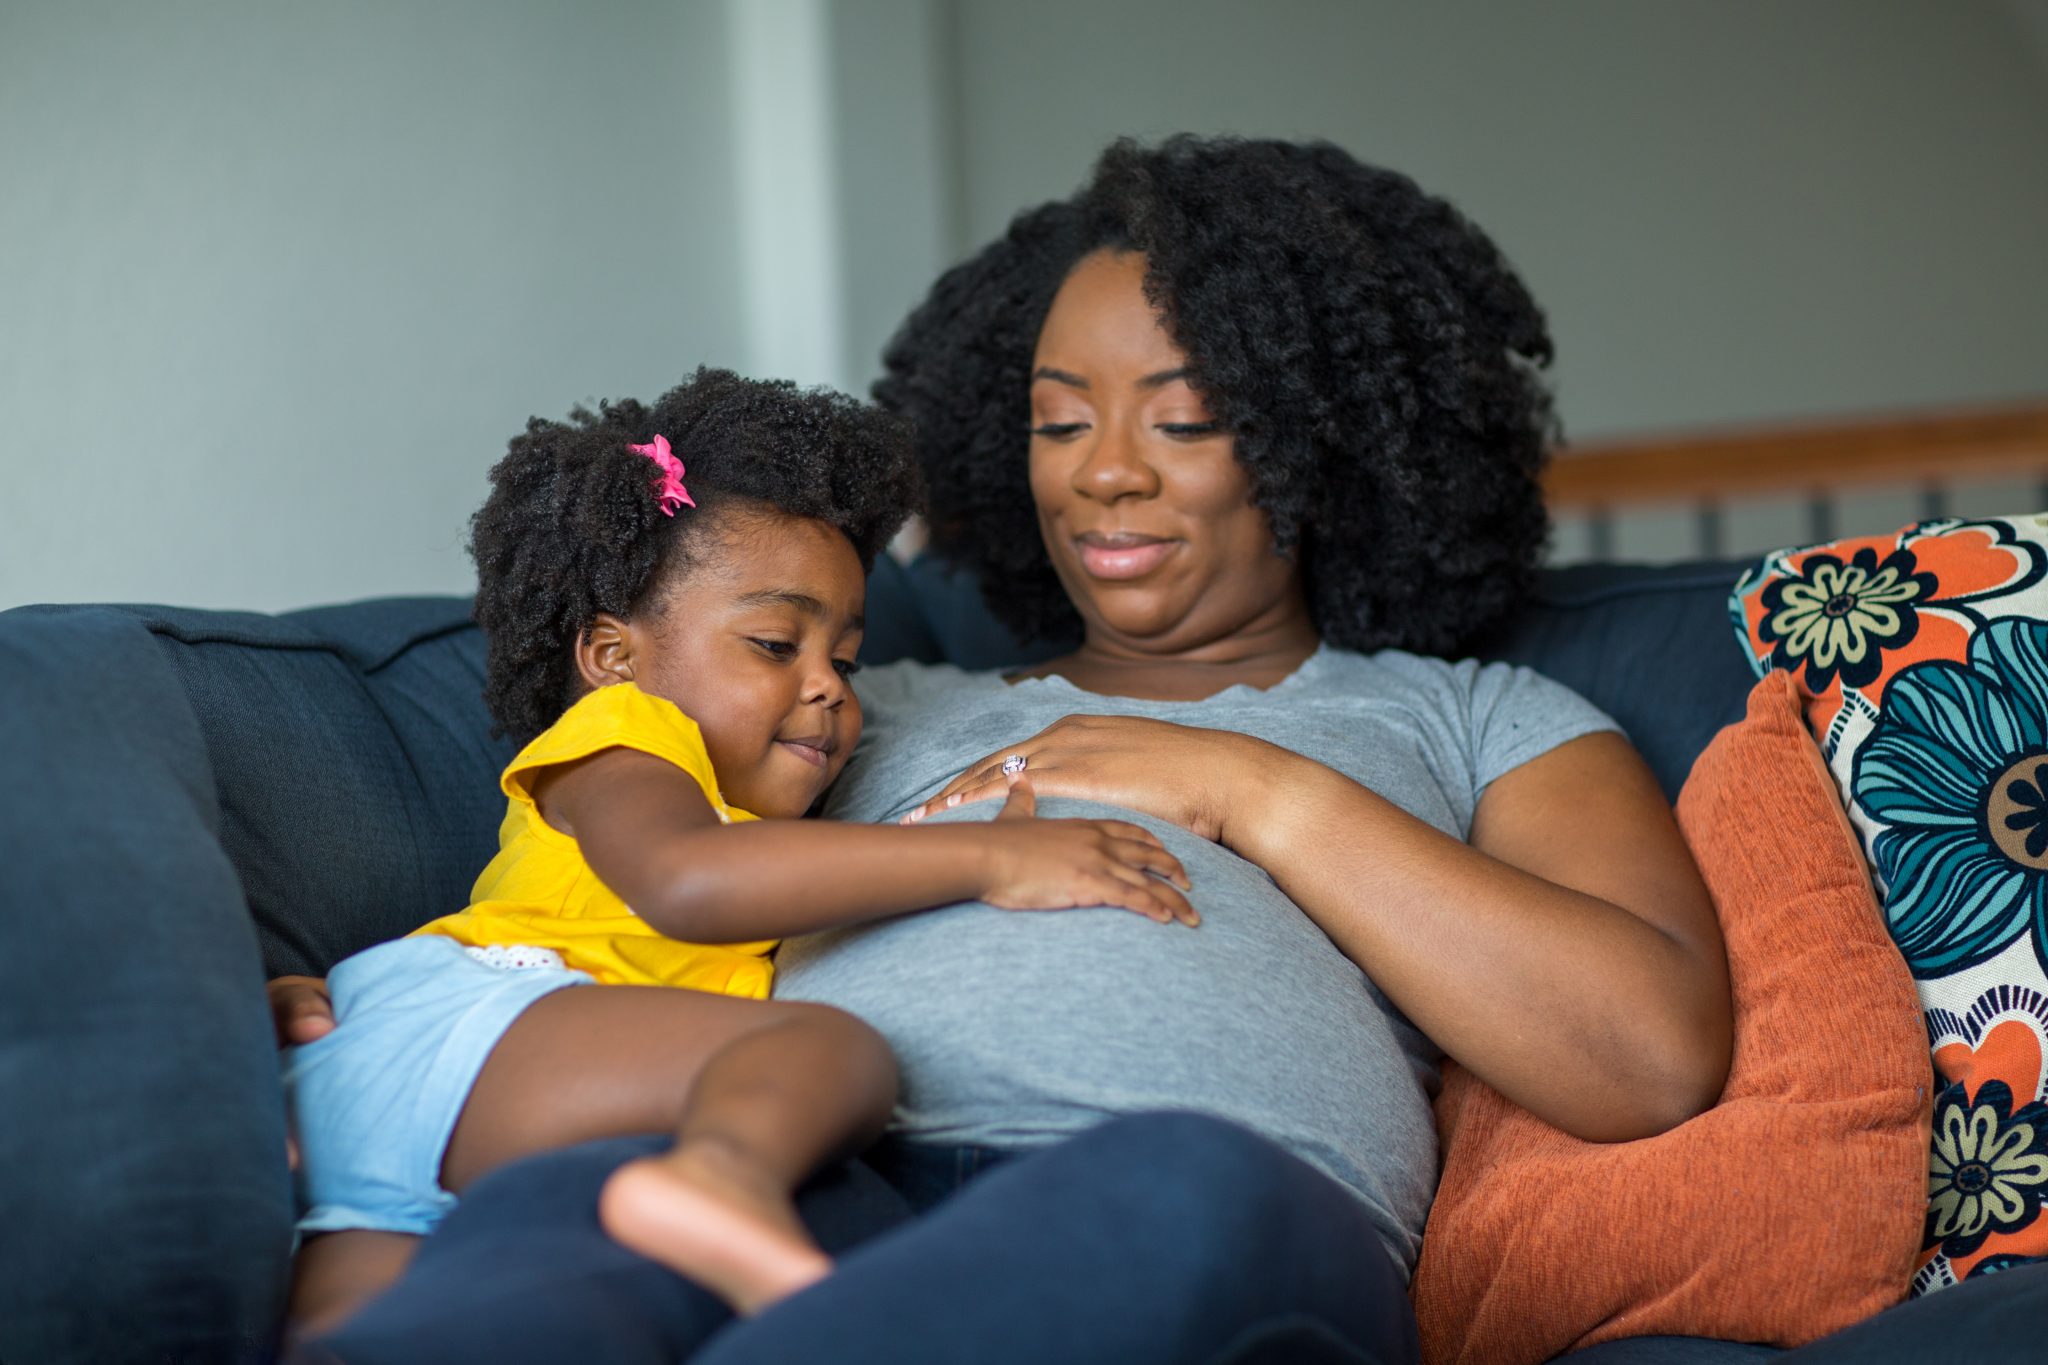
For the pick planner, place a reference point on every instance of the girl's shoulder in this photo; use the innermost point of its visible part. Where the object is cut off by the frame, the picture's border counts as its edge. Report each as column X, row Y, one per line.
column 620, row 716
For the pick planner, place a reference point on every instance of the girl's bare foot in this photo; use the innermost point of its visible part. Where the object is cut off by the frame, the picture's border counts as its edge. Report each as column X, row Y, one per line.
column 709, row 1214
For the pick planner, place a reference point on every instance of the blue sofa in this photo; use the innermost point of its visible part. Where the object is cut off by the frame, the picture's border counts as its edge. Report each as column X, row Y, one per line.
column 199, row 799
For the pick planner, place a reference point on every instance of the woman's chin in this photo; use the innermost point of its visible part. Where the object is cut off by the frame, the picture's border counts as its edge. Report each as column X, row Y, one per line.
column 1146, row 620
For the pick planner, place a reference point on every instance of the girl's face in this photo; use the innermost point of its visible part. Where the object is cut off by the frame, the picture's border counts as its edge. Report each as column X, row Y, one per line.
column 755, row 642
column 1144, row 508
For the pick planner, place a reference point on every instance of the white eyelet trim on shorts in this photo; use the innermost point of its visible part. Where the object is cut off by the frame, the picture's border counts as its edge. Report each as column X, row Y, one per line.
column 514, row 957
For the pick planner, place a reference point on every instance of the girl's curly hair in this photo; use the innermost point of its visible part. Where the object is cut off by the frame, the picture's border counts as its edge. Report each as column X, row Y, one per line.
column 573, row 526
column 1371, row 352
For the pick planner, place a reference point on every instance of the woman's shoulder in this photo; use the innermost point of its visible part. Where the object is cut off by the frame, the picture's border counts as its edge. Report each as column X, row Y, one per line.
column 1347, row 672
column 1496, row 716
column 1472, row 692
column 1398, row 668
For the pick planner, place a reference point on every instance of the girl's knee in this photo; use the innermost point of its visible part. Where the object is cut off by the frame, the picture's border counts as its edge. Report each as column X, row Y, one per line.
column 849, row 1033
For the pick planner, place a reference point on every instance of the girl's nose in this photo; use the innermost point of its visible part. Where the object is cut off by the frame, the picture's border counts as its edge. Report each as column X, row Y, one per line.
column 824, row 686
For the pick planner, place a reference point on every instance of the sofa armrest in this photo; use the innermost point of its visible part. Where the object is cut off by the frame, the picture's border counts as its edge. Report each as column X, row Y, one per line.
column 143, row 1186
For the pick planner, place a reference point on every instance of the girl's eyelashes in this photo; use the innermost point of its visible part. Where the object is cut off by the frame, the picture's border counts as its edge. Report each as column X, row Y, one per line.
column 783, row 651
column 1058, row 430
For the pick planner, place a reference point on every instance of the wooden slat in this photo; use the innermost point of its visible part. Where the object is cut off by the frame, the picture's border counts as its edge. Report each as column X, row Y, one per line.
column 1802, row 459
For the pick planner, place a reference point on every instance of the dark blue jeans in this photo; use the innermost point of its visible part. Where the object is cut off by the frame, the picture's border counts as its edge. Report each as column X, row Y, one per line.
column 1158, row 1238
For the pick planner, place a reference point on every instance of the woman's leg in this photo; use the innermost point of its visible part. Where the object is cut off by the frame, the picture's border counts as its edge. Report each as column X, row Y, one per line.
column 522, row 1272
column 759, row 1093
column 1153, row 1239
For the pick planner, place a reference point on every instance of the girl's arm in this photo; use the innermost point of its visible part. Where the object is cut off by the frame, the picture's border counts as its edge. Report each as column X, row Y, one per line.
column 1568, row 956
column 650, row 835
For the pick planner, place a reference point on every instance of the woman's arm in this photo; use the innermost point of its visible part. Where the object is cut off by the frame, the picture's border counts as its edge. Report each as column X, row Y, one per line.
column 650, row 835
column 1568, row 956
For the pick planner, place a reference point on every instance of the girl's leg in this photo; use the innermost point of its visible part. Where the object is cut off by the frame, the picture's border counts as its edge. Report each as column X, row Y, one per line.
column 522, row 1272
column 759, row 1094
column 334, row 1273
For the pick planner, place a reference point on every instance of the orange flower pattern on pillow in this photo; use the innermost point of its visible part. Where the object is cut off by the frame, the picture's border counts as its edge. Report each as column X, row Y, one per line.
column 1921, row 660
column 1987, row 1178
column 1848, row 615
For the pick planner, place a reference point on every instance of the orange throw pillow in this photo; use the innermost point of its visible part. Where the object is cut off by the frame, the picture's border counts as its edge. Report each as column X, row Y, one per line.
column 1789, row 1210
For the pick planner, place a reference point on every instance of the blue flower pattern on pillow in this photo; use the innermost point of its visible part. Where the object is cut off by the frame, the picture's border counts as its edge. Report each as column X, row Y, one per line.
column 1923, row 659
column 1956, row 773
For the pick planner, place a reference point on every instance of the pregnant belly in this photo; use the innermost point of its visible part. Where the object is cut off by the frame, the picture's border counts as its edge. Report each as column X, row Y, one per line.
column 1017, row 1028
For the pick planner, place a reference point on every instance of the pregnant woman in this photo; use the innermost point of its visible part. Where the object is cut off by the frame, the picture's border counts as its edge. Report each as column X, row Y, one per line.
column 1255, row 430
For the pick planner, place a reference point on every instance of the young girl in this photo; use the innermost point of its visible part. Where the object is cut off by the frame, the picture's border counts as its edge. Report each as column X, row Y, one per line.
column 672, row 598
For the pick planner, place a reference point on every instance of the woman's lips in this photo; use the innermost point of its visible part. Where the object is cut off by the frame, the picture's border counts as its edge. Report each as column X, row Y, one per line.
column 1119, row 556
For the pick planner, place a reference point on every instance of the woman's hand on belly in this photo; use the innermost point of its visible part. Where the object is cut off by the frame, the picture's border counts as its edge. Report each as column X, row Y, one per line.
column 1201, row 780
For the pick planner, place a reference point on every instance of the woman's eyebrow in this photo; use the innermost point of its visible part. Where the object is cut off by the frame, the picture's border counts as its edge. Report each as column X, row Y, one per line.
column 1157, row 380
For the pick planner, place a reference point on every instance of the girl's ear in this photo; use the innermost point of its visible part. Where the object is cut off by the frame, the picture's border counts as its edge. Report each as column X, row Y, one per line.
column 604, row 654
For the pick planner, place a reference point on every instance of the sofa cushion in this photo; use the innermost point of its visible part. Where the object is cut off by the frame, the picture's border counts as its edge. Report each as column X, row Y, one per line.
column 1922, row 660
column 1789, row 1210
column 357, row 777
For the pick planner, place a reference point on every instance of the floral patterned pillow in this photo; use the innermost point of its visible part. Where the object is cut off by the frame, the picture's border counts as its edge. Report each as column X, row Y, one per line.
column 1921, row 658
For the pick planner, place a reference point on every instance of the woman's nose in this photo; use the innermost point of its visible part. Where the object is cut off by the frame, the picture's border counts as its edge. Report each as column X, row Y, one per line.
column 1115, row 467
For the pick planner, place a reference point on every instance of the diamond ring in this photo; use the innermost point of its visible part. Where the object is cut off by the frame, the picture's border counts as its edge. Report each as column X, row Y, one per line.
column 1014, row 764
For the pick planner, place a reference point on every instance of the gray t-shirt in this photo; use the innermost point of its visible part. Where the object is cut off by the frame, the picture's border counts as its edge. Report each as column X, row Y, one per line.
column 1016, row 1029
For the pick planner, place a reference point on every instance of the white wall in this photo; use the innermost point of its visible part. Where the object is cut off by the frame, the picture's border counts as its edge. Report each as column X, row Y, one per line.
column 279, row 279
column 894, row 131
column 1736, row 211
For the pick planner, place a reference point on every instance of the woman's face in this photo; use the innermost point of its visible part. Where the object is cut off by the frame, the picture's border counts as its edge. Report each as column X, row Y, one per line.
column 1144, row 508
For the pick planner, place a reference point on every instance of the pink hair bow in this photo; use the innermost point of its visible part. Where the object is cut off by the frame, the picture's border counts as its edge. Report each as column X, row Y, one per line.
column 670, row 490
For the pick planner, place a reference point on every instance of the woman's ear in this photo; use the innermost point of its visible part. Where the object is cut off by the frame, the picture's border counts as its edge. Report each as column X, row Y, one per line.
column 604, row 652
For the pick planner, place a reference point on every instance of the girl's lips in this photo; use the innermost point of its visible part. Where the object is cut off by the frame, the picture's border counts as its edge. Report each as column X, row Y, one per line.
column 1108, row 559
column 809, row 753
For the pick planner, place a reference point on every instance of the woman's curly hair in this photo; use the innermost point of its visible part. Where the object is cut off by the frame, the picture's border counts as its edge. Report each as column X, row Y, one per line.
column 573, row 526
column 1371, row 352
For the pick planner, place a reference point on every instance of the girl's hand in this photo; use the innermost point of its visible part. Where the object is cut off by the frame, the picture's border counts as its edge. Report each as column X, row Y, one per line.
column 1198, row 779
column 1061, row 864
column 300, row 1009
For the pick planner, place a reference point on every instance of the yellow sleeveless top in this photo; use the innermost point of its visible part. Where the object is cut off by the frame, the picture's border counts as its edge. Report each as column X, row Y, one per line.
column 539, row 892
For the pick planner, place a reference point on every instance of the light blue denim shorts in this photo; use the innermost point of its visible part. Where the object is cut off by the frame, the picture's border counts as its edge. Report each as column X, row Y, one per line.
column 374, row 1103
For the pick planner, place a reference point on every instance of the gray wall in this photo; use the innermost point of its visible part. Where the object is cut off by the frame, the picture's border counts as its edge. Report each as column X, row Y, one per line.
column 1737, row 211
column 279, row 279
